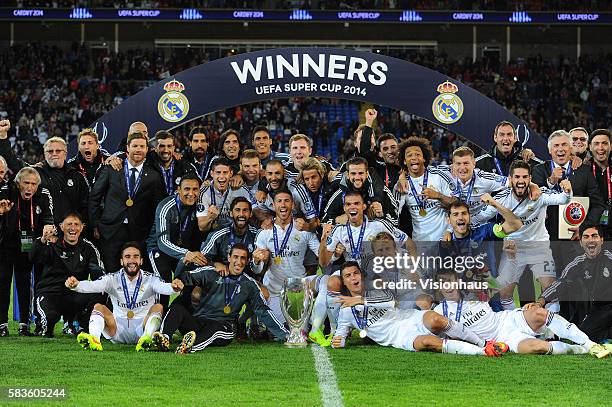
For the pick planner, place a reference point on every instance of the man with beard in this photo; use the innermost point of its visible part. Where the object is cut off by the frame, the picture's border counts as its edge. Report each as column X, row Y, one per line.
column 473, row 242
column 530, row 244
column 67, row 186
column 122, row 203
column 90, row 159
column 580, row 142
column 229, row 150
column 374, row 313
column 286, row 246
column 586, row 280
column 601, row 140
column 430, row 191
column 213, row 209
column 198, row 154
column 216, row 247
column 551, row 172
column 384, row 165
column 262, row 143
column 505, row 151
column 303, row 209
column 381, row 203
column 170, row 168
column 313, row 176
column 518, row 328
column 353, row 238
column 176, row 235
column 250, row 169
column 62, row 258
column 300, row 149
column 25, row 214
column 213, row 322
column 135, row 316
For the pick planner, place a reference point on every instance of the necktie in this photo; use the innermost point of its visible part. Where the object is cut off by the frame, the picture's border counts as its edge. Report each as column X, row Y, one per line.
column 132, row 181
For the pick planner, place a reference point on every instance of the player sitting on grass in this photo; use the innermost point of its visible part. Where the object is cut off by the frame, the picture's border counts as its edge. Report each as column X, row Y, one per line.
column 213, row 322
column 135, row 315
column 413, row 330
column 518, row 328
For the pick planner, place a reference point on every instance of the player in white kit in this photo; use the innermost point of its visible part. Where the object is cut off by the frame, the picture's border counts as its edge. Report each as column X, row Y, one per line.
column 281, row 250
column 531, row 243
column 135, row 315
column 377, row 318
column 518, row 328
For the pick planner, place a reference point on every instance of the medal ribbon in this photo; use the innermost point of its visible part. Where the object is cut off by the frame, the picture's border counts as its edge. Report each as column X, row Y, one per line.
column 566, row 174
column 168, row 177
column 420, row 203
column 277, row 250
column 183, row 226
column 457, row 313
column 130, row 302
column 355, row 250
column 230, row 297
column 498, row 166
column 233, row 238
column 457, row 246
column 469, row 191
column 213, row 198
column 362, row 323
column 132, row 189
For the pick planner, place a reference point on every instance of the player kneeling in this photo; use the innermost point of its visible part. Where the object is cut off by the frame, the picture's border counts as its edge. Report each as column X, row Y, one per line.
column 135, row 315
column 414, row 330
column 518, row 328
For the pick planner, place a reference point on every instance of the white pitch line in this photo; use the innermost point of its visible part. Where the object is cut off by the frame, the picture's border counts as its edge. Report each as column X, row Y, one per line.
column 328, row 384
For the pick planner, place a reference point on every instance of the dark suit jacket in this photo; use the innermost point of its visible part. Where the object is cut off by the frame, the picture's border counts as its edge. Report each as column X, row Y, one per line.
column 107, row 208
column 583, row 184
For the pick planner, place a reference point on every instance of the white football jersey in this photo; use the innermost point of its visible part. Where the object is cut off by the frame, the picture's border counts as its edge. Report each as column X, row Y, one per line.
column 477, row 316
column 386, row 326
column 432, row 226
column 340, row 234
column 532, row 213
column 484, row 182
column 291, row 258
column 150, row 287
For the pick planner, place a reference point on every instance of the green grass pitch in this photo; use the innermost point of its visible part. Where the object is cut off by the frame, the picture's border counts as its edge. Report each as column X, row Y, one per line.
column 268, row 374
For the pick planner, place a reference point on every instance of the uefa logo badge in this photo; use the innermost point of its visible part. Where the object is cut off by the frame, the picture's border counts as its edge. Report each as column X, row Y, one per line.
column 173, row 106
column 447, row 107
column 574, row 213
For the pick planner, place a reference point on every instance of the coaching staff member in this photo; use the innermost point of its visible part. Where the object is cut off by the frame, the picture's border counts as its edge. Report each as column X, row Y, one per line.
column 122, row 203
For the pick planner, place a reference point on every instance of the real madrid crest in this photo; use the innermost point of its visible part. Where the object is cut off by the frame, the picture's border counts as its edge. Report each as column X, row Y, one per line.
column 447, row 107
column 606, row 272
column 173, row 106
column 70, row 182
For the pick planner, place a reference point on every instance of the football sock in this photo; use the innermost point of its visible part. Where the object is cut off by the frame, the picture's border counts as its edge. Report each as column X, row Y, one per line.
column 153, row 323
column 507, row 304
column 562, row 348
column 319, row 311
column 333, row 309
column 461, row 348
column 96, row 324
column 565, row 329
column 456, row 330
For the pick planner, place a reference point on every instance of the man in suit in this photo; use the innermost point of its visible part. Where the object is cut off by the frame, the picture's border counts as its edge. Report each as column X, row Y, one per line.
column 549, row 173
column 122, row 203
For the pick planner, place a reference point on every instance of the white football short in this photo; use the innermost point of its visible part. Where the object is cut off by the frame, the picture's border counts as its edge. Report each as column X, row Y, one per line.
column 128, row 331
column 511, row 270
column 514, row 329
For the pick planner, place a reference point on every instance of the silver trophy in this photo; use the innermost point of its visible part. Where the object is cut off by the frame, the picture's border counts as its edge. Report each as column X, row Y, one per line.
column 297, row 300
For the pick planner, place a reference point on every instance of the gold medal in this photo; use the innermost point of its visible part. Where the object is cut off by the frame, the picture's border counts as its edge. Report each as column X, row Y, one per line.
column 130, row 314
column 129, row 202
column 227, row 309
column 363, row 333
column 278, row 260
column 422, row 212
column 469, row 273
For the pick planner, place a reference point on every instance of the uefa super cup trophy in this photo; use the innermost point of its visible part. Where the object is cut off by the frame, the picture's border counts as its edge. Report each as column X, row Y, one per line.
column 296, row 303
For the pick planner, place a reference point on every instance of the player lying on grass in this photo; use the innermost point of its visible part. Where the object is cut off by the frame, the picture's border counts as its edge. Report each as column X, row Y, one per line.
column 222, row 298
column 135, row 315
column 413, row 330
column 517, row 328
